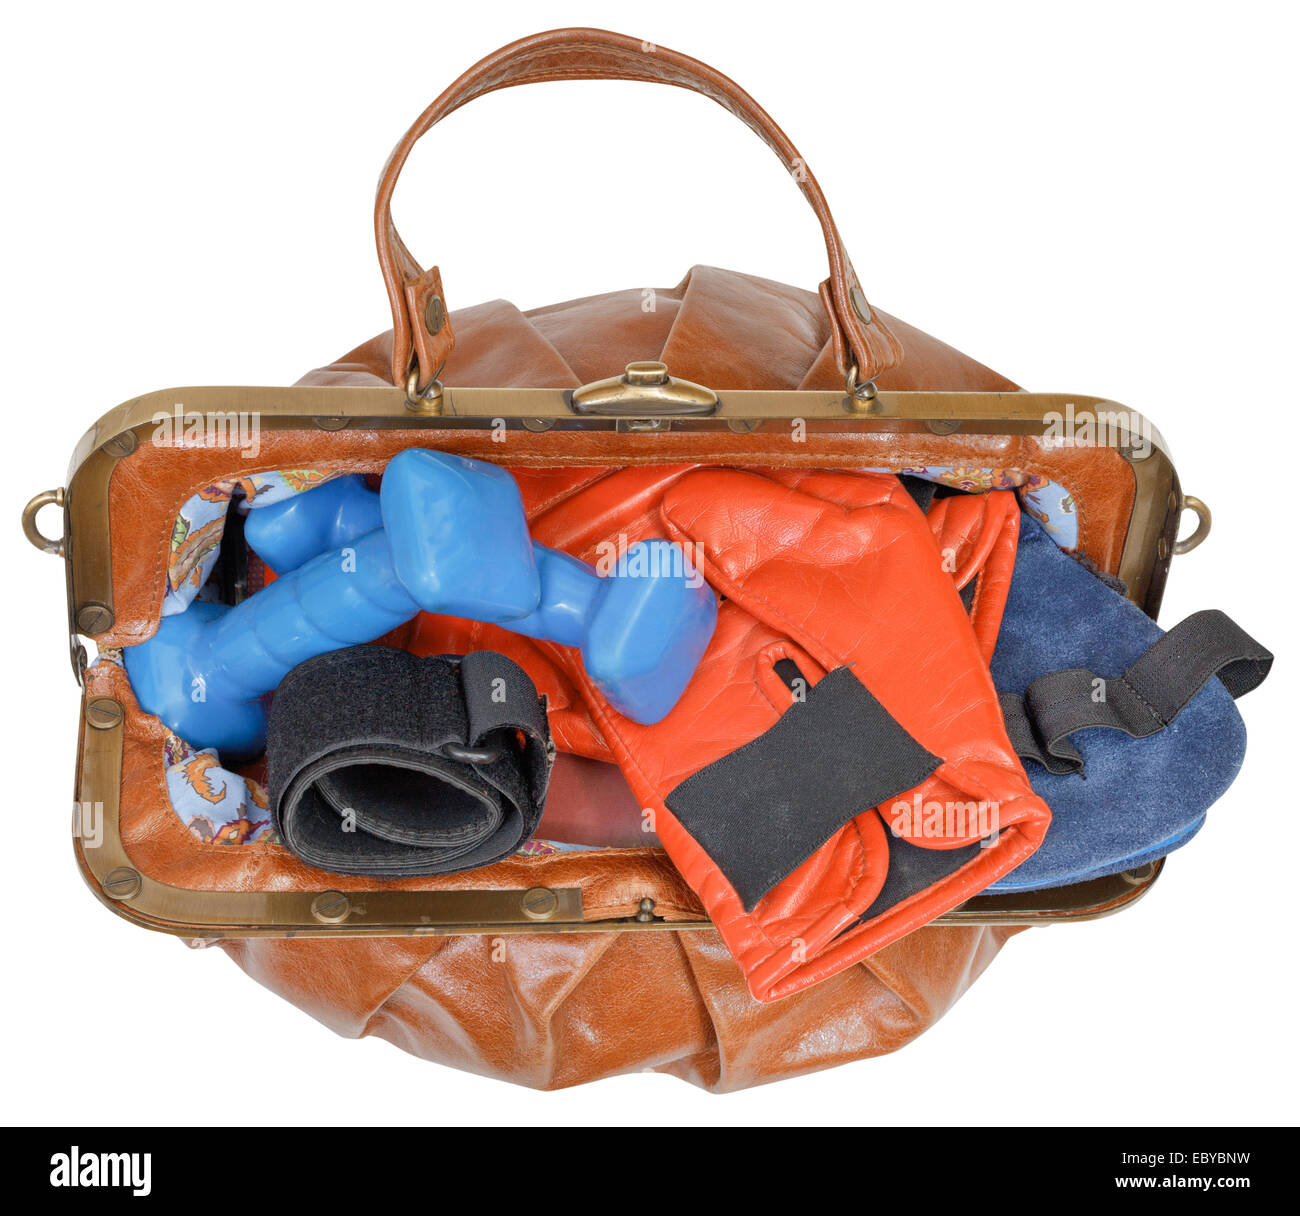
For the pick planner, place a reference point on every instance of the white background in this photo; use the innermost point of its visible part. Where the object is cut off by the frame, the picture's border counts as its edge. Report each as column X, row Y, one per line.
column 1096, row 198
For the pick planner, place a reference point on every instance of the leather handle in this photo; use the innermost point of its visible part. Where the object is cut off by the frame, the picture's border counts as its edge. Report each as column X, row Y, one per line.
column 422, row 333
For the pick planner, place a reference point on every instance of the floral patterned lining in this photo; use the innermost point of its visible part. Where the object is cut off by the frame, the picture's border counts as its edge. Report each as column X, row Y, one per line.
column 222, row 808
column 1047, row 501
column 217, row 805
column 196, row 534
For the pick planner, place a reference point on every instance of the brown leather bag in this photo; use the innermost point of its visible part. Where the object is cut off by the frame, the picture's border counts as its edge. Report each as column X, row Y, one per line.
column 649, row 987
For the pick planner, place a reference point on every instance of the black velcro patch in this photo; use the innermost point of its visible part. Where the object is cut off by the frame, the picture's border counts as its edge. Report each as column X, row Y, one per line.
column 761, row 811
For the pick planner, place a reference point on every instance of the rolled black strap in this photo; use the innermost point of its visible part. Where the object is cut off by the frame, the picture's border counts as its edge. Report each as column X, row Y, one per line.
column 381, row 762
column 1141, row 702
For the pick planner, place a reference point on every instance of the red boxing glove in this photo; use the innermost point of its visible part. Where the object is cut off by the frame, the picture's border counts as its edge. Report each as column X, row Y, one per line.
column 843, row 677
column 976, row 535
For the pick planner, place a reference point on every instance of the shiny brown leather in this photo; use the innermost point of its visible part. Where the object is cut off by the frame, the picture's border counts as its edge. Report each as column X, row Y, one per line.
column 561, row 1010
column 556, row 1010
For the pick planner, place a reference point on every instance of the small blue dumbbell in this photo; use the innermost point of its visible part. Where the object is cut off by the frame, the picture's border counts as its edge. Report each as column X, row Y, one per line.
column 454, row 541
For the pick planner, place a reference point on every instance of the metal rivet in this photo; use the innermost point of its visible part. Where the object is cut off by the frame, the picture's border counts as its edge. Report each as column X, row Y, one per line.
column 326, row 423
column 122, row 883
column 943, row 426
column 122, row 445
column 103, row 713
column 646, row 910
column 430, row 402
column 539, row 903
column 860, row 306
column 537, row 425
column 331, row 907
column 1162, row 548
column 435, row 314
column 94, row 618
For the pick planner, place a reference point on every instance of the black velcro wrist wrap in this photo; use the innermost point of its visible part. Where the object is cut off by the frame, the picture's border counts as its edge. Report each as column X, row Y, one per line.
column 385, row 763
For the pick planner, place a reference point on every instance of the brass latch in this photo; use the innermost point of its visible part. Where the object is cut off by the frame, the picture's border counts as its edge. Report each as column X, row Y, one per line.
column 645, row 390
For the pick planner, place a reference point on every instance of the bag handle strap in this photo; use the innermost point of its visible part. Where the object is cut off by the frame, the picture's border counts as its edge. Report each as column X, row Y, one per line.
column 422, row 333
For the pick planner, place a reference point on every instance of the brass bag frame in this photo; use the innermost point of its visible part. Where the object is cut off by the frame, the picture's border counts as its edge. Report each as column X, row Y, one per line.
column 1150, row 542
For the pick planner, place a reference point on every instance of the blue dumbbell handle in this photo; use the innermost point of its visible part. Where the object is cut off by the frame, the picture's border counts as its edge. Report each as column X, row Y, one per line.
column 337, row 599
column 203, row 673
column 353, row 595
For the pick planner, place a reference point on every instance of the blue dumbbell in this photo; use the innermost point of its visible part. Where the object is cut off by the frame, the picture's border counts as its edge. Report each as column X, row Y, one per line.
column 454, row 541
column 642, row 676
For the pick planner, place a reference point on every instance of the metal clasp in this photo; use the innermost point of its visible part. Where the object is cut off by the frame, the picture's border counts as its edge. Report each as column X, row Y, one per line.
column 644, row 390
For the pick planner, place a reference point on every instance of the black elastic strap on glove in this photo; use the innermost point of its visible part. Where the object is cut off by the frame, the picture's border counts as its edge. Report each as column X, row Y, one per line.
column 381, row 762
column 1141, row 702
column 761, row 811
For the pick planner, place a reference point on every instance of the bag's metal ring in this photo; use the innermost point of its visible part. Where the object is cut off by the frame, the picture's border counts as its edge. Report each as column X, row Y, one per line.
column 46, row 544
column 1203, row 522
column 1143, row 874
column 863, row 392
column 426, row 400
